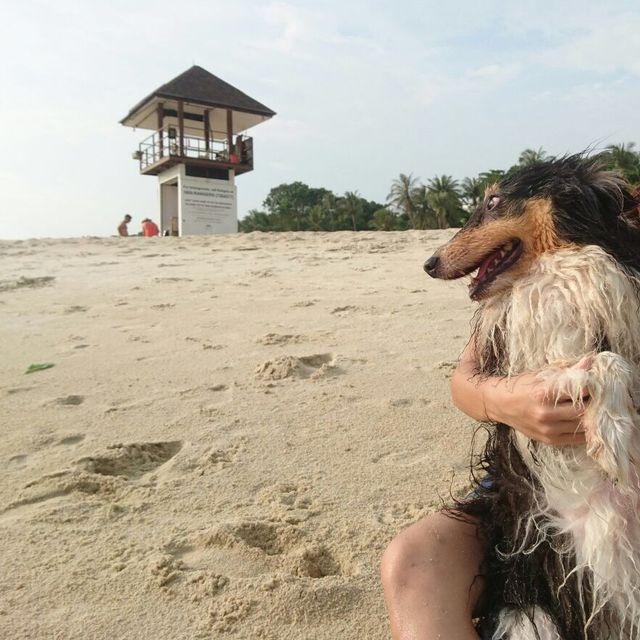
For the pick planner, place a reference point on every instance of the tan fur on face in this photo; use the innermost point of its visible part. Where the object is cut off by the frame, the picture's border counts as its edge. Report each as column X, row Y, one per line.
column 534, row 228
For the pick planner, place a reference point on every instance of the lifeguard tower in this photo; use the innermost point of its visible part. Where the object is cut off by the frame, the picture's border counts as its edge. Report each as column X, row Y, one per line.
column 197, row 148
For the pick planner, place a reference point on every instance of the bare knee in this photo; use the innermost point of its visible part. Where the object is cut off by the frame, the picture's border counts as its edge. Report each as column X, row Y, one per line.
column 412, row 549
column 433, row 552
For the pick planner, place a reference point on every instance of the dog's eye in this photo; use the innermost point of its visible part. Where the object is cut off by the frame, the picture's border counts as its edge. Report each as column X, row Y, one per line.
column 493, row 202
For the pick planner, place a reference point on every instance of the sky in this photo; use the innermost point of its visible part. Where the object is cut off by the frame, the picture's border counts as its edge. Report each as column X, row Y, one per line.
column 363, row 91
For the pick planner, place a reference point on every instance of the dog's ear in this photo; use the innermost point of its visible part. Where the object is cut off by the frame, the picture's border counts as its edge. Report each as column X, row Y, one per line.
column 616, row 200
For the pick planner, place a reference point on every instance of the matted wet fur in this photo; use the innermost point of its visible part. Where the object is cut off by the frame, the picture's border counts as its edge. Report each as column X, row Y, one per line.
column 557, row 249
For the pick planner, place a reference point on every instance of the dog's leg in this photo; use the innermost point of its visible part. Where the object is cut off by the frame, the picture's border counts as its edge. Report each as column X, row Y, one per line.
column 594, row 494
column 611, row 419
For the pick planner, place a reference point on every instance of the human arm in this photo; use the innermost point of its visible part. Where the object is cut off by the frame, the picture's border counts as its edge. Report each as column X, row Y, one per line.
column 522, row 402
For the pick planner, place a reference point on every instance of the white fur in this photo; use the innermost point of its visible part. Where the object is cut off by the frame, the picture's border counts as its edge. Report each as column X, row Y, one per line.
column 514, row 624
column 551, row 320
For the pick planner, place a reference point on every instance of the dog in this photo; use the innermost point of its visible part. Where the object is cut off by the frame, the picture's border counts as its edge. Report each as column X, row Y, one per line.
column 555, row 248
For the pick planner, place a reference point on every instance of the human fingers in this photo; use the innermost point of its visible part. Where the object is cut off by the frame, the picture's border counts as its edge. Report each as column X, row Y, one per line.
column 554, row 397
column 555, row 433
column 571, row 439
column 558, row 438
column 564, row 412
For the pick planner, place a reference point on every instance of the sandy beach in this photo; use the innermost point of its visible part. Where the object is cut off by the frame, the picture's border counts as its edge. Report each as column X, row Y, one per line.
column 233, row 430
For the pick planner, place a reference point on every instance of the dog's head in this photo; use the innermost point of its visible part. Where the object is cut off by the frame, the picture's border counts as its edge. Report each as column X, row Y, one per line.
column 550, row 205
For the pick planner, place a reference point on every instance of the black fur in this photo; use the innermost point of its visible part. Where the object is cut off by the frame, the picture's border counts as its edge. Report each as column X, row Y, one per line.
column 590, row 207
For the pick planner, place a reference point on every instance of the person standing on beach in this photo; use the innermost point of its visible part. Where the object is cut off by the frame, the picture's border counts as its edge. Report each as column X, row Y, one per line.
column 149, row 228
column 123, row 229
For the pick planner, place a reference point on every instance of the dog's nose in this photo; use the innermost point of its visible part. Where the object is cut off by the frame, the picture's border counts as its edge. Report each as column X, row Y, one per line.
column 431, row 265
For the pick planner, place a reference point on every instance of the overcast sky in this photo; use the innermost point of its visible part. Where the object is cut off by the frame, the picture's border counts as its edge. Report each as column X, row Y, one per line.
column 363, row 90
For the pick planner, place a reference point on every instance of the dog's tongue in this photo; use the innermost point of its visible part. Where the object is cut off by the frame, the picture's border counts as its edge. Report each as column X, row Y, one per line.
column 482, row 269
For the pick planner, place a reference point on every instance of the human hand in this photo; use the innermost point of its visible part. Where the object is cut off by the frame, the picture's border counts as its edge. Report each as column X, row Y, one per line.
column 535, row 409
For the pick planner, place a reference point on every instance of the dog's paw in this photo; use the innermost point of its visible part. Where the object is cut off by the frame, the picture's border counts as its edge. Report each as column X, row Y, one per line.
column 568, row 382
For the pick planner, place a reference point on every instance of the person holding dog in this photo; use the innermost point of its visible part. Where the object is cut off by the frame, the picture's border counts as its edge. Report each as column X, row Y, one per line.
column 431, row 571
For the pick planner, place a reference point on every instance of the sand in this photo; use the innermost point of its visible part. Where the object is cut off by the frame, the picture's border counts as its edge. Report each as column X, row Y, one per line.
column 233, row 430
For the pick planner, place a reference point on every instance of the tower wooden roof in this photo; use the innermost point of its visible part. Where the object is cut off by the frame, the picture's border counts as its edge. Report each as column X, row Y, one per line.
column 197, row 86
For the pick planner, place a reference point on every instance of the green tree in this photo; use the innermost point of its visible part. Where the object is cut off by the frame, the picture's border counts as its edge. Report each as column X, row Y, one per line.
column 624, row 159
column 444, row 197
column 255, row 221
column 329, row 207
column 317, row 218
column 289, row 205
column 532, row 156
column 425, row 217
column 351, row 208
column 491, row 177
column 472, row 191
column 402, row 197
column 384, row 220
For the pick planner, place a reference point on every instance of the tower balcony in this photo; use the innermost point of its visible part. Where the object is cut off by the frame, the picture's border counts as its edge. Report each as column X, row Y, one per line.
column 166, row 148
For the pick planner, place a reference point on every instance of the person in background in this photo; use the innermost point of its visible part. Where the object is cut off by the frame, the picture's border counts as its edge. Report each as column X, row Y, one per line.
column 149, row 228
column 123, row 229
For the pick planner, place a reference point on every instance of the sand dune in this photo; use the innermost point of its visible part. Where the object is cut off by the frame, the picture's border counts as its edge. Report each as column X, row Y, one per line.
column 231, row 433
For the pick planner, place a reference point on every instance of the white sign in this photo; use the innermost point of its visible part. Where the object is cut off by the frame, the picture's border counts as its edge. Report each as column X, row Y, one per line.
column 208, row 206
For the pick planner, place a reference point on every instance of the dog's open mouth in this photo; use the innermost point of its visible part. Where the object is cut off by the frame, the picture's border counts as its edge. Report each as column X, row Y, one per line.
column 493, row 265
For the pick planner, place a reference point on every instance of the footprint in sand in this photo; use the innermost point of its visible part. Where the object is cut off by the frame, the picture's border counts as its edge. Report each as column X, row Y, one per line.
column 343, row 310
column 315, row 366
column 288, row 502
column 13, row 390
column 100, row 474
column 446, row 366
column 270, row 339
column 222, row 457
column 173, row 279
column 314, row 561
column 68, row 441
column 130, row 461
column 279, row 546
column 397, row 403
column 17, row 461
column 69, row 401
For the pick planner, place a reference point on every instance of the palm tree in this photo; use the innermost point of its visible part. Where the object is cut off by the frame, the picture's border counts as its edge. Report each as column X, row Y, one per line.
column 402, row 197
column 383, row 220
column 472, row 192
column 532, row 156
column 491, row 177
column 316, row 218
column 444, row 197
column 425, row 216
column 255, row 221
column 624, row 159
column 329, row 207
column 351, row 207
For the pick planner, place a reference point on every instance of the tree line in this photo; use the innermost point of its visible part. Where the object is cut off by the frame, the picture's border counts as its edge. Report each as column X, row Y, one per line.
column 439, row 203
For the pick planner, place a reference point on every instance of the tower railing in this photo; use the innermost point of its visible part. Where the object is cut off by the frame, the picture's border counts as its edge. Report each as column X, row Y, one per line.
column 164, row 144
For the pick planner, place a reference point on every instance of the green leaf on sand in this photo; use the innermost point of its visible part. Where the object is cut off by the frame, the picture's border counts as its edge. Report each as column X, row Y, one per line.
column 39, row 367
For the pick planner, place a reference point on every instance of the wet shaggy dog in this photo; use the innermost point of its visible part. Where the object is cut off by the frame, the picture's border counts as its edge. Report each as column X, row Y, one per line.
column 556, row 251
